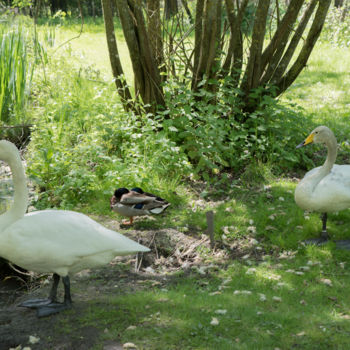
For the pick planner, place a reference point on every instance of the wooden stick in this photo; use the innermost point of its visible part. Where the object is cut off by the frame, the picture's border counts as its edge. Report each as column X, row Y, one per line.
column 210, row 229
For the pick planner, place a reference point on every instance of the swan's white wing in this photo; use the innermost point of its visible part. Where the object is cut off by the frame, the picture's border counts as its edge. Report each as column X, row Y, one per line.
column 63, row 241
column 333, row 191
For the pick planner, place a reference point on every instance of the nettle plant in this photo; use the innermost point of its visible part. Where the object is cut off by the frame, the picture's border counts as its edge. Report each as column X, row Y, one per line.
column 214, row 141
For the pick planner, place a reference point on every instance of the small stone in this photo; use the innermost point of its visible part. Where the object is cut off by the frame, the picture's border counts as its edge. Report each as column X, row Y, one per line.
column 129, row 346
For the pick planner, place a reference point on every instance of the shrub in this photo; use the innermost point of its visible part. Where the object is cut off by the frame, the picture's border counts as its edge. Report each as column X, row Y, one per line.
column 215, row 134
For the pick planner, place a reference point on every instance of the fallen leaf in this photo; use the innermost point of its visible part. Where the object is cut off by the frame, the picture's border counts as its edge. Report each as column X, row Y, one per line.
column 131, row 328
column 326, row 281
column 333, row 298
column 251, row 271
column 214, row 321
column 129, row 346
column 221, row 311
column 33, row 339
column 163, row 300
column 262, row 297
column 251, row 229
column 277, row 299
column 215, row 293
column 301, row 334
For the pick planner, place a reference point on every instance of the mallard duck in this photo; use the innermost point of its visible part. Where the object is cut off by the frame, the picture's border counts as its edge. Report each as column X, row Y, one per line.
column 53, row 241
column 136, row 202
column 326, row 188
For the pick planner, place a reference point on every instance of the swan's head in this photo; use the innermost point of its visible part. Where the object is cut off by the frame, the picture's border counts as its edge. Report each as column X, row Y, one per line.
column 8, row 151
column 321, row 134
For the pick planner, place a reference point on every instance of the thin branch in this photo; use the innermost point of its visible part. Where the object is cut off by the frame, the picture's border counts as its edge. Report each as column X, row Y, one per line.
column 81, row 29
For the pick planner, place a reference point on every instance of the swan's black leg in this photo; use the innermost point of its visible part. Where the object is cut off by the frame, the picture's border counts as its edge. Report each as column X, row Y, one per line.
column 324, row 234
column 56, row 307
column 53, row 292
column 67, row 296
column 36, row 303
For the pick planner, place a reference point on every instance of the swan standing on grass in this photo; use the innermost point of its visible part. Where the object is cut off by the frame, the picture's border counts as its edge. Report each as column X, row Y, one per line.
column 326, row 188
column 53, row 241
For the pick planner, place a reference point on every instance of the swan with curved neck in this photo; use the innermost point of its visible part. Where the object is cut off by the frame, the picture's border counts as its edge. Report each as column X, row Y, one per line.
column 53, row 241
column 326, row 188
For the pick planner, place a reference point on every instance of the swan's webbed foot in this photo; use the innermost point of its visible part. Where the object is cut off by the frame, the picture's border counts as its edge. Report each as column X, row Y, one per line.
column 343, row 244
column 52, row 308
column 323, row 239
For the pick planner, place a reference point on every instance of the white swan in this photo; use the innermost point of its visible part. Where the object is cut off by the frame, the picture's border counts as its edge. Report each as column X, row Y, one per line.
column 53, row 241
column 326, row 188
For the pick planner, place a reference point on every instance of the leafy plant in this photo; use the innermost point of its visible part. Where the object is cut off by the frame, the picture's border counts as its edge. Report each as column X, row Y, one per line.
column 16, row 70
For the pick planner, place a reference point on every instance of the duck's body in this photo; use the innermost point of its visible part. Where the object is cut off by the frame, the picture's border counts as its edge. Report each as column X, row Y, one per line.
column 53, row 241
column 136, row 202
column 324, row 189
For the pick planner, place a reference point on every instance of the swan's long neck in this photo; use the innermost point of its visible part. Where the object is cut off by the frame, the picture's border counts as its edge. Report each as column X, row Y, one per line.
column 305, row 189
column 331, row 145
column 20, row 203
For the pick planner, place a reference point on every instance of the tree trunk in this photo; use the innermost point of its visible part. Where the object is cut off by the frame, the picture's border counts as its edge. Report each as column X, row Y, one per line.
column 206, row 63
column 256, row 54
column 253, row 71
column 338, row 3
column 118, row 74
column 171, row 8
column 147, row 75
column 314, row 33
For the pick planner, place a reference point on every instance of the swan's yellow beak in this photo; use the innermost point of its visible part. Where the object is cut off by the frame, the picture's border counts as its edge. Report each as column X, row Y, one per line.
column 308, row 140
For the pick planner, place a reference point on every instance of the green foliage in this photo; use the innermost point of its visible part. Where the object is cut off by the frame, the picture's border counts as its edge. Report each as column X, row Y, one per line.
column 215, row 134
column 337, row 27
column 16, row 69
column 85, row 145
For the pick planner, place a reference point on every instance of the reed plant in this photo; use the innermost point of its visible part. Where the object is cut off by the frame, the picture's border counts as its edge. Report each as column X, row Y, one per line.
column 16, row 71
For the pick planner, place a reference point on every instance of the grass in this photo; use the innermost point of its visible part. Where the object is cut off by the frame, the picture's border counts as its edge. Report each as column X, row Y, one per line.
column 285, row 301
column 312, row 313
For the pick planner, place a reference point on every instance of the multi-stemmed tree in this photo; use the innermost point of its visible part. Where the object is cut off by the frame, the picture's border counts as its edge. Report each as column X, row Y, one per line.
column 258, row 43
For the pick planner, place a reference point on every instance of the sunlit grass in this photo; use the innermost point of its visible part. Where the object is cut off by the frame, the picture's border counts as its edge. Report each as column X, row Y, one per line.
column 275, row 303
column 323, row 88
